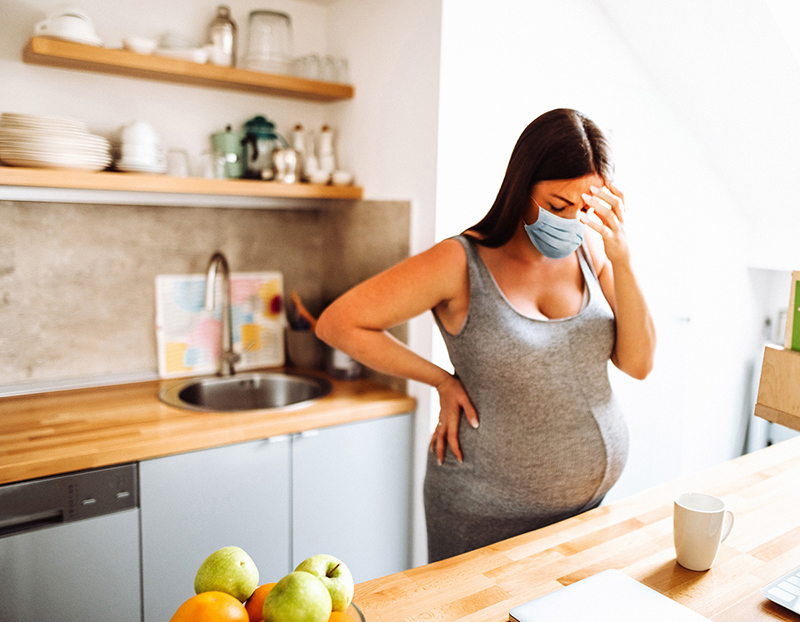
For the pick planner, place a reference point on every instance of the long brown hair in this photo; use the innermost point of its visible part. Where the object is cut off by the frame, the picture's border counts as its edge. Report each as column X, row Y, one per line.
column 560, row 144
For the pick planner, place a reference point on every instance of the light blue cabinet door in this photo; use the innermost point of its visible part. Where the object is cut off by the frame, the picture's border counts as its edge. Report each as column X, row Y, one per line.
column 195, row 503
column 351, row 495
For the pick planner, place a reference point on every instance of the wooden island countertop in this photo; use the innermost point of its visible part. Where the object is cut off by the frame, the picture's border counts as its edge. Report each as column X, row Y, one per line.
column 633, row 535
column 62, row 431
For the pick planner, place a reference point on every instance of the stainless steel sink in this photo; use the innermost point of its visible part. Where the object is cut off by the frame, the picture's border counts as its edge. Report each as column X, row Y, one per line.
column 247, row 391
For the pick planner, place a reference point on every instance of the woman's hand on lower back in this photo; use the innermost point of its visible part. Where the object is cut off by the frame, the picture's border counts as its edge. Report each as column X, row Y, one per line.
column 453, row 400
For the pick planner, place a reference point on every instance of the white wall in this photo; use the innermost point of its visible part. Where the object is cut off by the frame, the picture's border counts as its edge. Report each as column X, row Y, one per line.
column 504, row 65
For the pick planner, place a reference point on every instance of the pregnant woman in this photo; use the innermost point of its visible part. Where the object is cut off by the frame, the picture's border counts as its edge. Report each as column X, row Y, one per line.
column 532, row 303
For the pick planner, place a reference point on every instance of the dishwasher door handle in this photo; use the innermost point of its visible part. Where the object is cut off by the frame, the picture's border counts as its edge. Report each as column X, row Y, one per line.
column 29, row 522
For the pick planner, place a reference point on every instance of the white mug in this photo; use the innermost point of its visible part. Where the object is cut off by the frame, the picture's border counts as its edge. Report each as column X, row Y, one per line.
column 700, row 523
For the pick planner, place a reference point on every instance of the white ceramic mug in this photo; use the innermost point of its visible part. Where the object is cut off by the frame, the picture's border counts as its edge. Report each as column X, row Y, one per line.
column 700, row 523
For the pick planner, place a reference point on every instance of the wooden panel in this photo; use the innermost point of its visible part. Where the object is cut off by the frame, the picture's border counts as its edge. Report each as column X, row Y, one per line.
column 779, row 389
column 133, row 182
column 633, row 535
column 69, row 55
column 50, row 433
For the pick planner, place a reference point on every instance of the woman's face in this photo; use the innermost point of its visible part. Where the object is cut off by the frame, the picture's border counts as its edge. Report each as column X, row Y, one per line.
column 562, row 197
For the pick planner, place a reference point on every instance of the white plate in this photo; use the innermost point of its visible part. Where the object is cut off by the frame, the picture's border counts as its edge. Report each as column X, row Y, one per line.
column 97, row 41
column 129, row 167
column 19, row 119
column 55, row 141
column 46, row 164
column 64, row 157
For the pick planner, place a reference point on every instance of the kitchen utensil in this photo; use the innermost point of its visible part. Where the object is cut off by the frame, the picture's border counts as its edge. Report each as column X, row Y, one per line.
column 229, row 143
column 341, row 365
column 286, row 163
column 269, row 43
column 140, row 45
column 178, row 163
column 260, row 141
column 304, row 349
column 212, row 165
column 700, row 523
column 140, row 149
column 342, row 178
column 51, row 142
column 71, row 25
column 302, row 311
column 327, row 158
column 222, row 36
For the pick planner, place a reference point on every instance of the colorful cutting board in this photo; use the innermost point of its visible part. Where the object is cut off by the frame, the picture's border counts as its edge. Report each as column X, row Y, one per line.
column 188, row 336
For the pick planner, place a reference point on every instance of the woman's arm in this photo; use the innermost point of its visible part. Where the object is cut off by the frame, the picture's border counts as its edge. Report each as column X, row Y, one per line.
column 635, row 346
column 356, row 323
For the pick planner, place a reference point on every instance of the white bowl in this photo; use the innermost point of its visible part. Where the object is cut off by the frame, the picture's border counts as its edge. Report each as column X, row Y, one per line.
column 342, row 178
column 140, row 45
column 319, row 177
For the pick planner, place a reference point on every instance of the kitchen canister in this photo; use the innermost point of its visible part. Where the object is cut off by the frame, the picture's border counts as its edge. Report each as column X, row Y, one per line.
column 229, row 144
column 260, row 140
column 222, row 38
column 341, row 365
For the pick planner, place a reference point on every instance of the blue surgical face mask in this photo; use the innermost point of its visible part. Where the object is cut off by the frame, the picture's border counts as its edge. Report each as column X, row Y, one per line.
column 553, row 236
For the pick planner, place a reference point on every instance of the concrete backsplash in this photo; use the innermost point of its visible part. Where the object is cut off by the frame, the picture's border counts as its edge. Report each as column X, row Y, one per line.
column 77, row 282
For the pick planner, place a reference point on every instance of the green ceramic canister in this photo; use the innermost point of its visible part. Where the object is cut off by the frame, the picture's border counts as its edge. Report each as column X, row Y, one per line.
column 229, row 144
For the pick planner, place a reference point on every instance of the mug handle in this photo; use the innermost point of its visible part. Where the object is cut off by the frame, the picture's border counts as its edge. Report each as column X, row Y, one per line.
column 726, row 531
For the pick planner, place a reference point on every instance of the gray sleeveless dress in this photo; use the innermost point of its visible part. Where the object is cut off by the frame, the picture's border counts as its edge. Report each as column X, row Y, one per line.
column 551, row 440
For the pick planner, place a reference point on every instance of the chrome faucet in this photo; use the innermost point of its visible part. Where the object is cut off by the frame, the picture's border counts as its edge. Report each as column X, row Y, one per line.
column 227, row 357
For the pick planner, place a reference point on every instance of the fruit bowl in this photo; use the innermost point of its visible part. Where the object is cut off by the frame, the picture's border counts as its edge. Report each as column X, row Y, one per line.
column 354, row 612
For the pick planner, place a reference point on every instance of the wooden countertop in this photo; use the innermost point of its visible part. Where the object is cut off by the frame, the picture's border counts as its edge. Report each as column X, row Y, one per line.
column 50, row 433
column 633, row 535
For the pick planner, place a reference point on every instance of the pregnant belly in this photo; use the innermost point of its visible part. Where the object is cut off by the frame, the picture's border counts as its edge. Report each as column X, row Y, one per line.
column 539, row 466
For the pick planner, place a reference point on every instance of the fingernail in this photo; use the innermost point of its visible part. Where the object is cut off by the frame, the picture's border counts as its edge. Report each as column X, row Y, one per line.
column 474, row 424
column 594, row 189
column 439, row 460
column 587, row 197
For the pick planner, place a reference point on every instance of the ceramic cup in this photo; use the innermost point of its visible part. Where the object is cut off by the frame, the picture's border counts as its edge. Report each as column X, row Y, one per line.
column 139, row 132
column 700, row 523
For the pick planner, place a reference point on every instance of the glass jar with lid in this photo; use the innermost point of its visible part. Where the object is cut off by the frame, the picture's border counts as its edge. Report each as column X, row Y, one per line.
column 269, row 42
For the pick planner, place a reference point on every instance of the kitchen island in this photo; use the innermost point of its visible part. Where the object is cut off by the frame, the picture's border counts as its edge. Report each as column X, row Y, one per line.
column 633, row 535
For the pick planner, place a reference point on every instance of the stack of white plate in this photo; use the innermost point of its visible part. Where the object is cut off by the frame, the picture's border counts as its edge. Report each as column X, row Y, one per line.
column 51, row 142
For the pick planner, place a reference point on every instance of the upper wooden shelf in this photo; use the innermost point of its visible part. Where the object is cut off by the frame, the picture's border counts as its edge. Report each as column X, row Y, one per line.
column 133, row 182
column 58, row 53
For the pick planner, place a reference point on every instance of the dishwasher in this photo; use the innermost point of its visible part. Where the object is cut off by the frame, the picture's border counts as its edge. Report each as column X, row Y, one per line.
column 69, row 547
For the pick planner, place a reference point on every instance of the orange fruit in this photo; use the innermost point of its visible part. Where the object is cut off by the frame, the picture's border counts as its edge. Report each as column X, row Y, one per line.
column 255, row 604
column 211, row 607
column 338, row 616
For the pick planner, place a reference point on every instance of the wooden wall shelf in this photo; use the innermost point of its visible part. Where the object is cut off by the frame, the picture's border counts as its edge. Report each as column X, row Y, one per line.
column 133, row 182
column 68, row 55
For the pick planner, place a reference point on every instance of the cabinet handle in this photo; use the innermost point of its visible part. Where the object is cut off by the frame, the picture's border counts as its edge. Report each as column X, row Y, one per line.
column 277, row 439
column 309, row 433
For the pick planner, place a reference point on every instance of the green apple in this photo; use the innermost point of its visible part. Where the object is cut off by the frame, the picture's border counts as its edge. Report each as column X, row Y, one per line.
column 228, row 570
column 297, row 597
column 334, row 575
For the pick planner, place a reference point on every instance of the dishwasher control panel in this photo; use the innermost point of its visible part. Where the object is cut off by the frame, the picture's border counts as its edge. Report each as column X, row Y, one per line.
column 34, row 504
